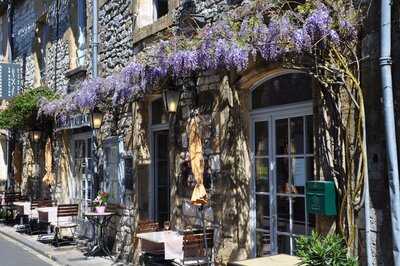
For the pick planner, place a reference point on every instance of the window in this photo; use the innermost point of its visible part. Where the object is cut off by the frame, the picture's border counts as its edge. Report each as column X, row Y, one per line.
column 284, row 89
column 41, row 36
column 150, row 11
column 158, row 113
column 80, row 52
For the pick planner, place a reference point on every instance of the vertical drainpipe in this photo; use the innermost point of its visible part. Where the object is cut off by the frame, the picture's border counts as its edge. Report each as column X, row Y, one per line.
column 95, row 43
column 10, row 13
column 390, row 130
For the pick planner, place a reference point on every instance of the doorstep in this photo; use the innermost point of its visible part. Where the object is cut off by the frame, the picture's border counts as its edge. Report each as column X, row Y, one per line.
column 66, row 256
column 277, row 260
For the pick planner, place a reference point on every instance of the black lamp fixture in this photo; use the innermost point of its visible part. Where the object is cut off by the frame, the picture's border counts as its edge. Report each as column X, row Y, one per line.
column 36, row 135
column 171, row 100
column 96, row 119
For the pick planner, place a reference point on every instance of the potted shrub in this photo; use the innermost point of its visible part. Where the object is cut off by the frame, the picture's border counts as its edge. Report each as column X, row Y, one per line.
column 100, row 202
column 323, row 250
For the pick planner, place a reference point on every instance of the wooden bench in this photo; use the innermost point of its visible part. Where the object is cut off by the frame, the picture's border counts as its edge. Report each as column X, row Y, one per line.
column 65, row 211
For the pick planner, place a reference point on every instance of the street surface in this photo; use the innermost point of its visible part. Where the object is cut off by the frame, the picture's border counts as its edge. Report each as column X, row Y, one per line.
column 14, row 254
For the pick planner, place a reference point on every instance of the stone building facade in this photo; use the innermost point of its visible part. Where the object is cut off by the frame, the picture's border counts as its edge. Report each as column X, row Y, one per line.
column 142, row 151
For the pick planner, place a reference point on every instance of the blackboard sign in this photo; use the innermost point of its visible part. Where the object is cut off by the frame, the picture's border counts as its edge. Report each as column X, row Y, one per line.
column 128, row 163
column 10, row 75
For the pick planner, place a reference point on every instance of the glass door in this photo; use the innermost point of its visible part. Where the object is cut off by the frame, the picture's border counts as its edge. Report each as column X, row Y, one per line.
column 161, row 176
column 83, row 171
column 283, row 161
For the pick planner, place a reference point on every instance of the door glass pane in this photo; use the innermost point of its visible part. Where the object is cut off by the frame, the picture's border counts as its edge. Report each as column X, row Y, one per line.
column 309, row 162
column 296, row 135
column 263, row 244
column 299, row 174
column 309, row 135
column 262, row 175
column 284, row 244
column 161, row 176
column 163, row 173
column 262, row 210
column 261, row 138
column 283, row 205
column 281, row 137
column 299, row 225
column 282, row 175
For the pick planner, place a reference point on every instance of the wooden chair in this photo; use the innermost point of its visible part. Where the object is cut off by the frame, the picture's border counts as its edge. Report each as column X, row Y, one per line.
column 198, row 247
column 65, row 211
column 144, row 226
column 8, row 207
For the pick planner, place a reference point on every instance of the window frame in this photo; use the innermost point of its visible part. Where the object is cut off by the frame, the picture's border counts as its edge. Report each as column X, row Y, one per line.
column 157, row 26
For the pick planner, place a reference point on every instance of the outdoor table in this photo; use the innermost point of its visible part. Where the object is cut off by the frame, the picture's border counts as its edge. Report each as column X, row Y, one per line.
column 100, row 222
column 171, row 242
column 23, row 208
column 277, row 260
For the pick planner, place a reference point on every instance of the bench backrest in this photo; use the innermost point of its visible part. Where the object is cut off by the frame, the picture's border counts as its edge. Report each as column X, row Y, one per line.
column 10, row 197
column 67, row 210
column 147, row 226
column 193, row 241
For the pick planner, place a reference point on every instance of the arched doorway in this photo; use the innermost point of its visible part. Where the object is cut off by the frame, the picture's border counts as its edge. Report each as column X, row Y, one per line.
column 283, row 160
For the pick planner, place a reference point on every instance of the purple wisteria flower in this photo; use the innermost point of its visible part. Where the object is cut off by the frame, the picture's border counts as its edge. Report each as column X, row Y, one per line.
column 318, row 23
column 347, row 29
column 301, row 40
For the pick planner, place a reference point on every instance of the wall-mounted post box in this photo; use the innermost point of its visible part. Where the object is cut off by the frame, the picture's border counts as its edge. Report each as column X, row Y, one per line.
column 321, row 197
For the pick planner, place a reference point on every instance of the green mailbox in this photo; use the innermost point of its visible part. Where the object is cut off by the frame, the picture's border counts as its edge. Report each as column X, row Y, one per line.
column 321, row 197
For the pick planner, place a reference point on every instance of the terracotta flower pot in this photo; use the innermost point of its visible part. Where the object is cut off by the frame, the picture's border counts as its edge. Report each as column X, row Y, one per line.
column 100, row 209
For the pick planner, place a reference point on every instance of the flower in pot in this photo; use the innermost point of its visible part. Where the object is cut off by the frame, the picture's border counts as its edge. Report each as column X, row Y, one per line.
column 100, row 202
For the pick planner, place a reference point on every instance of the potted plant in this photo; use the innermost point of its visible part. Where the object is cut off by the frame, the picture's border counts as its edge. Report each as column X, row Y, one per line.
column 100, row 202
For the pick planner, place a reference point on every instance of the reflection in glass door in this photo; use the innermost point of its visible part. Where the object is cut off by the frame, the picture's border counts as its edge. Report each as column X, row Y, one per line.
column 161, row 176
column 283, row 161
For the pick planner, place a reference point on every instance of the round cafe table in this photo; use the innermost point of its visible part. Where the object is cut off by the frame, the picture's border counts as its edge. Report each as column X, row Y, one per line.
column 100, row 222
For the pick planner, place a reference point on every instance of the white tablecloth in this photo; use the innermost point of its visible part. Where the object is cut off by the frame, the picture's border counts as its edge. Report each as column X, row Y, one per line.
column 23, row 207
column 173, row 242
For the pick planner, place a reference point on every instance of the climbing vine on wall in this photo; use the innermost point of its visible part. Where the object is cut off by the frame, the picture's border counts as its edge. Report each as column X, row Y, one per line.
column 21, row 111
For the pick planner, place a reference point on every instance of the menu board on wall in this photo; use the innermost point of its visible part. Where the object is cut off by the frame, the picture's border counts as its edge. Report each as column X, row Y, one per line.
column 128, row 172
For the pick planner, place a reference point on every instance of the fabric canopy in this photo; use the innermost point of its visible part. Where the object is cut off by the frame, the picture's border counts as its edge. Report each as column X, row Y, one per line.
column 48, row 177
column 199, row 195
column 17, row 164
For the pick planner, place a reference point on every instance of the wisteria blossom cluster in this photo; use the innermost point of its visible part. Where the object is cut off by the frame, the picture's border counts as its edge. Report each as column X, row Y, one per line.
column 255, row 29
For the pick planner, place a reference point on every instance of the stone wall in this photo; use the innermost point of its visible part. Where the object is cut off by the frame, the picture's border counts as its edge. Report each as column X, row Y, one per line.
column 116, row 24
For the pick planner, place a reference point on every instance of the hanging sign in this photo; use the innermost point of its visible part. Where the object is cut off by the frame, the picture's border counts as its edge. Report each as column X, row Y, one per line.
column 73, row 121
column 10, row 75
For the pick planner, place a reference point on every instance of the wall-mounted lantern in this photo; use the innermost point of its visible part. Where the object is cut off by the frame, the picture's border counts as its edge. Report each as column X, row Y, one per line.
column 96, row 119
column 171, row 100
column 35, row 135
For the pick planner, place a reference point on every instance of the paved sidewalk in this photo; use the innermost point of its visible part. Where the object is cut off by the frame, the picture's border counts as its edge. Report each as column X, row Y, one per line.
column 66, row 256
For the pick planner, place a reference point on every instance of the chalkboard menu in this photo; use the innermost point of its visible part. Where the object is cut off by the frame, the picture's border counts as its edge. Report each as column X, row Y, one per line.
column 10, row 75
column 128, row 164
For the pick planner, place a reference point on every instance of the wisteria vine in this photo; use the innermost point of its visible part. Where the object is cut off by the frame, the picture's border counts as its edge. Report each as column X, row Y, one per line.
column 254, row 29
